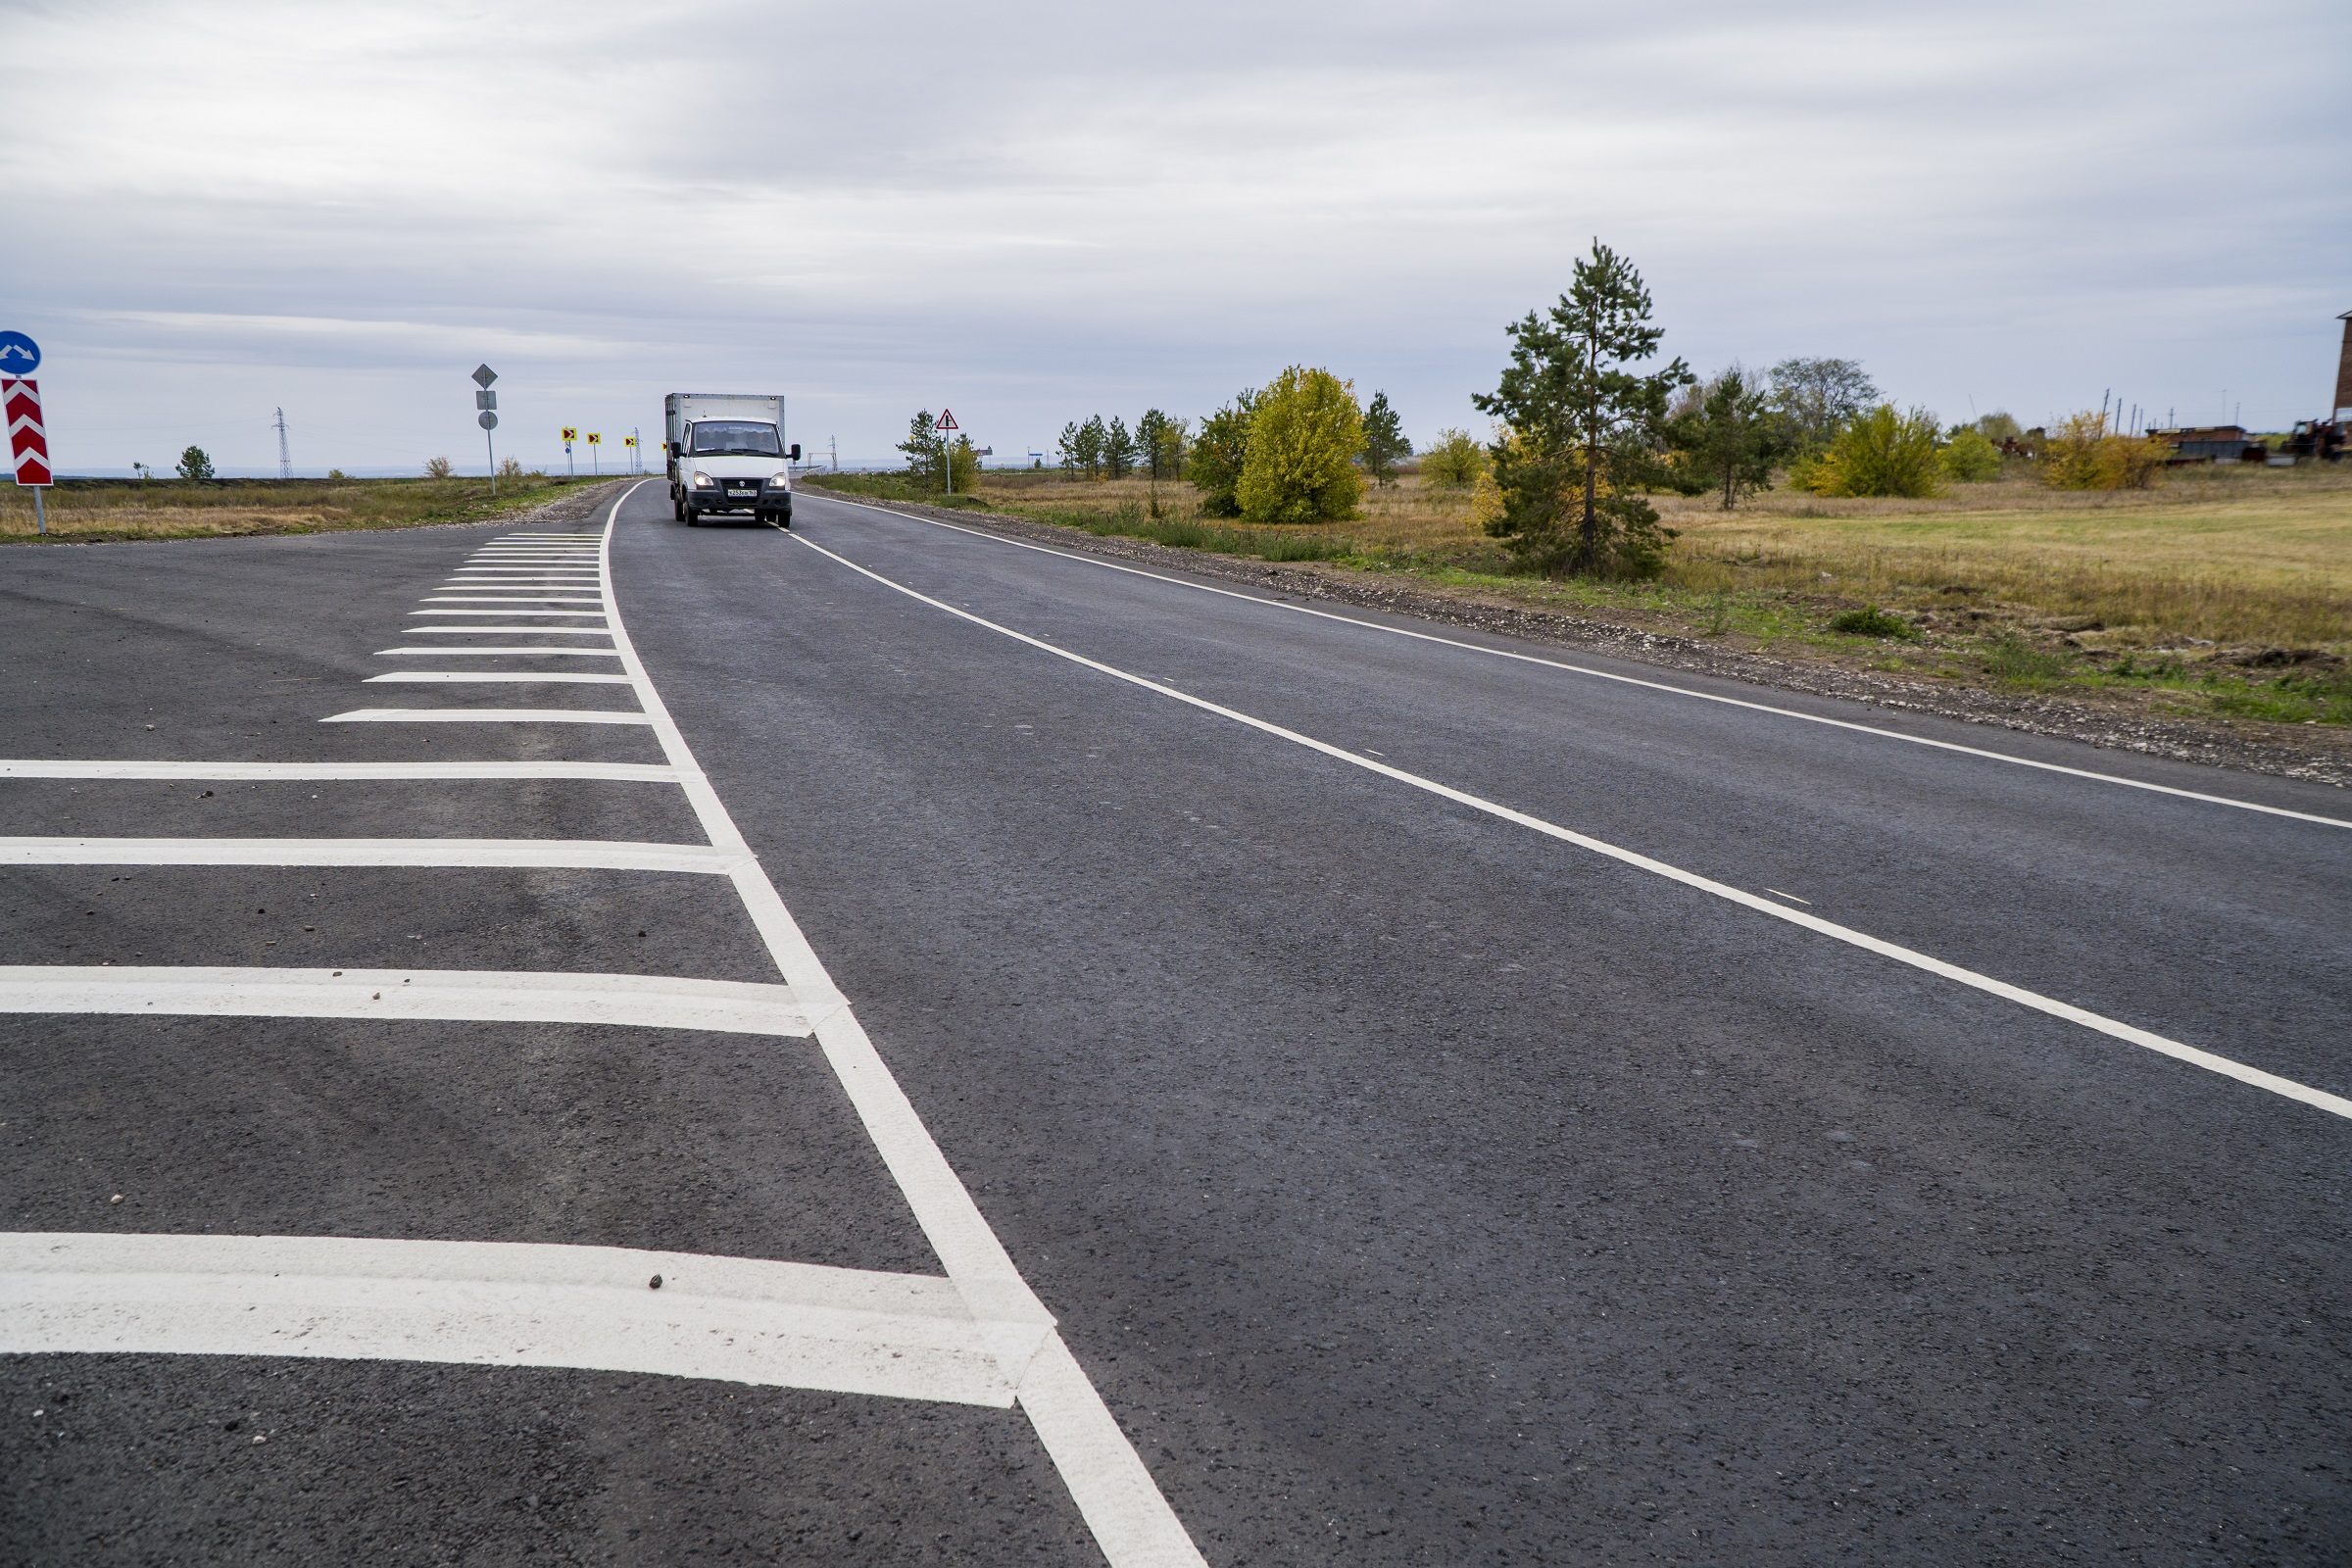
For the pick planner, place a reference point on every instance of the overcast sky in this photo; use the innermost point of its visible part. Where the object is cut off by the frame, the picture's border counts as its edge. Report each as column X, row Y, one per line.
column 1035, row 211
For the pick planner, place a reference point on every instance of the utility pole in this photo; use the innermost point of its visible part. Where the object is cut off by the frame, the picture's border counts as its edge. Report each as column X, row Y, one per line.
column 285, row 463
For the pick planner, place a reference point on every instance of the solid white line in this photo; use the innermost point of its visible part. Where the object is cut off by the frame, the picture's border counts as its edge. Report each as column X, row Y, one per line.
column 490, row 653
column 483, row 996
column 496, row 1304
column 578, row 855
column 2335, row 1104
column 630, row 772
column 1114, row 1492
column 1628, row 680
column 477, row 677
column 482, row 716
column 566, row 614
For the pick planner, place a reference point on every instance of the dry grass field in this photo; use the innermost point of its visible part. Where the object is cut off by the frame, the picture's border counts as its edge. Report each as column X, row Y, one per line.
column 89, row 510
column 2221, row 591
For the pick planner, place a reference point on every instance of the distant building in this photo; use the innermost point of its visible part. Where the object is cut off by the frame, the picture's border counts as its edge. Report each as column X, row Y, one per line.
column 2212, row 443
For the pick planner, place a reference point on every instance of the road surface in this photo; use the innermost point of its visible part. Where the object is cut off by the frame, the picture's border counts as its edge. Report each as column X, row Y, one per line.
column 1106, row 1065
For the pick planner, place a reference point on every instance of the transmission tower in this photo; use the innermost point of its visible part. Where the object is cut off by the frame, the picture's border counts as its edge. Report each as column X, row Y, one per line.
column 285, row 463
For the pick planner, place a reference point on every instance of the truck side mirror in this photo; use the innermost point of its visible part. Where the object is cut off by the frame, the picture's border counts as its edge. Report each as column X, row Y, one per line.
column 677, row 448
column 795, row 452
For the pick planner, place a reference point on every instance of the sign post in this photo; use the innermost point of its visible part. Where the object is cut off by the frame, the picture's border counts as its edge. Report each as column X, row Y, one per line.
column 21, row 409
column 570, row 471
column 594, row 441
column 945, row 423
column 487, row 401
column 629, row 442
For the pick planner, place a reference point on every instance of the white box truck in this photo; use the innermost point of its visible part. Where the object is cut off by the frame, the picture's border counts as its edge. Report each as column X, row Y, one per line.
column 726, row 453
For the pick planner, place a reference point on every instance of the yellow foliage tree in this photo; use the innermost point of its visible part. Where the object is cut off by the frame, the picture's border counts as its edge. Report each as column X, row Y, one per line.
column 2083, row 455
column 1305, row 433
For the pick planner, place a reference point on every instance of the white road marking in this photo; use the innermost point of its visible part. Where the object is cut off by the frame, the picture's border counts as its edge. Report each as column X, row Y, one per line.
column 980, row 1337
column 2334, row 1104
column 565, row 615
column 493, row 1304
column 477, row 677
column 557, row 598
column 482, row 716
column 506, row 631
column 1131, row 1520
column 629, row 773
column 488, row 653
column 1631, row 680
column 575, row 854
column 483, row 996
column 1791, row 897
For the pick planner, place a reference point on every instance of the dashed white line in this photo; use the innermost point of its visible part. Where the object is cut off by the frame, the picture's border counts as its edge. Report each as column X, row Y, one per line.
column 552, row 614
column 2318, row 1099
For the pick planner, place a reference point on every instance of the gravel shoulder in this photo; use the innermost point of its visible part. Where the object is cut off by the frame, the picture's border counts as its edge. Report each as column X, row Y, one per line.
column 2314, row 752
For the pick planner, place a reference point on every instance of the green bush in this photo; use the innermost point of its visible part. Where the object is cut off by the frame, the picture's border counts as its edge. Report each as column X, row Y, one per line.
column 1971, row 458
column 2083, row 455
column 1882, row 453
column 1456, row 461
column 1304, row 436
column 195, row 465
column 1872, row 621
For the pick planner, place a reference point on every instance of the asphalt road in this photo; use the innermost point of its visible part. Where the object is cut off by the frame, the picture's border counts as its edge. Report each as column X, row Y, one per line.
column 1414, row 1187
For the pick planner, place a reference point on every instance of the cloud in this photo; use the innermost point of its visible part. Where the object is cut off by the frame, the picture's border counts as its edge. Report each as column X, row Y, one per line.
column 1039, row 210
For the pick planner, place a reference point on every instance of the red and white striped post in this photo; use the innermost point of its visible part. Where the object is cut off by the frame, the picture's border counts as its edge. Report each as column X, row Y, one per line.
column 28, row 440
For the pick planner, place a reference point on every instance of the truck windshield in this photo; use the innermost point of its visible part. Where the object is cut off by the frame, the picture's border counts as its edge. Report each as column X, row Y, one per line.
column 721, row 437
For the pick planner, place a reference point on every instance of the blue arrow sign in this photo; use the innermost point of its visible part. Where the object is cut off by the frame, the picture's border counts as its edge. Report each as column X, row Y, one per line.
column 19, row 354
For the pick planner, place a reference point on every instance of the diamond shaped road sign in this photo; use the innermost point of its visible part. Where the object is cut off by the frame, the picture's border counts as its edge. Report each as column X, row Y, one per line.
column 483, row 376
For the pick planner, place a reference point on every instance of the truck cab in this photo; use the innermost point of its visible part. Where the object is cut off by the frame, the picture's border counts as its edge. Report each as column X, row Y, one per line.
column 726, row 453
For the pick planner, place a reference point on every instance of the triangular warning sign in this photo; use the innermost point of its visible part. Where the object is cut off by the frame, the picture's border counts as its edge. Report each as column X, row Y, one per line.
column 946, row 422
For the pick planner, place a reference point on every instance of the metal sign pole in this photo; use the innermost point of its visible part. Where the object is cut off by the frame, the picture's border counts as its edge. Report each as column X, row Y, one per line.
column 40, row 519
column 487, row 401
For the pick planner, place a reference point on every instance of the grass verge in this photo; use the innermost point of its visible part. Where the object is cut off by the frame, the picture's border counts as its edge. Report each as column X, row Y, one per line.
column 91, row 510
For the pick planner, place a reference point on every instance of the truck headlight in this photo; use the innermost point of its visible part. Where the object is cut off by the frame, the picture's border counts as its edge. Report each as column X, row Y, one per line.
column 780, row 480
column 703, row 481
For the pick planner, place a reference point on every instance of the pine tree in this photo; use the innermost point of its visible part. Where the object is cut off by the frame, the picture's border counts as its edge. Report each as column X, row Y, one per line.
column 1383, row 440
column 1092, row 437
column 923, row 448
column 1730, row 436
column 1118, row 449
column 1218, row 455
column 1068, row 450
column 1582, row 429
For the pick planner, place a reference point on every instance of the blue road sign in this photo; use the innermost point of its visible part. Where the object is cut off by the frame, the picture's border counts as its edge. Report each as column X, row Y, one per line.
column 19, row 354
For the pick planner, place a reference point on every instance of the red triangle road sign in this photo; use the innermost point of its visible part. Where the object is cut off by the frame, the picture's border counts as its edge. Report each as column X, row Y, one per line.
column 946, row 422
